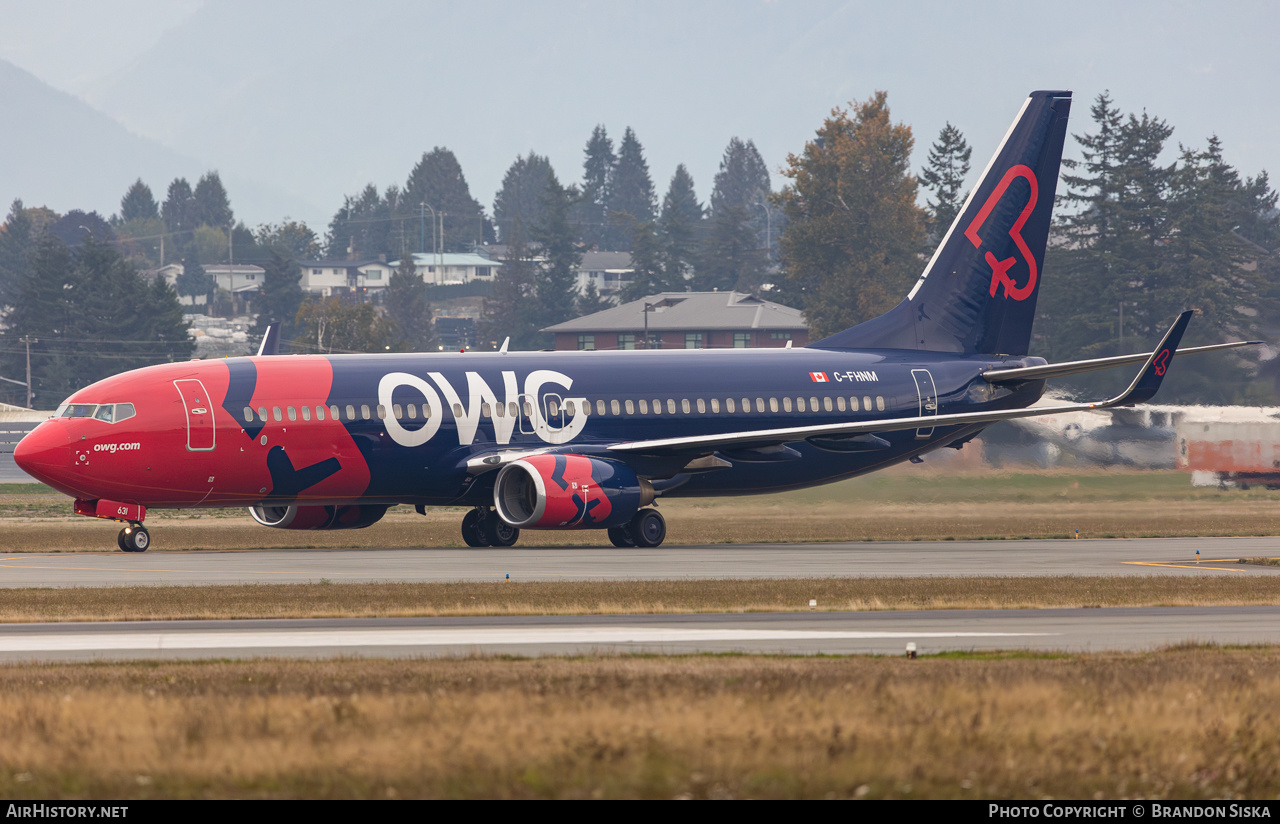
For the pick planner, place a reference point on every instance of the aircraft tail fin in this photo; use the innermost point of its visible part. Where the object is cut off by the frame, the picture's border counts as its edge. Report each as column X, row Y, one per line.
column 270, row 340
column 978, row 292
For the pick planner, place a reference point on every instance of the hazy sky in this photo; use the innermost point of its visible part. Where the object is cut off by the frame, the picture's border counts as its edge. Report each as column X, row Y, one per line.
column 312, row 100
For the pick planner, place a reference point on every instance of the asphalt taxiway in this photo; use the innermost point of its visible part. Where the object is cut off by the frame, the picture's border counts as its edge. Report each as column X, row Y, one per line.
column 1218, row 556
column 835, row 633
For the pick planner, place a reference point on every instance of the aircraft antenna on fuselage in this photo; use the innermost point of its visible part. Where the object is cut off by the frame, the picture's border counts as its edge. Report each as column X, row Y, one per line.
column 270, row 340
column 505, row 341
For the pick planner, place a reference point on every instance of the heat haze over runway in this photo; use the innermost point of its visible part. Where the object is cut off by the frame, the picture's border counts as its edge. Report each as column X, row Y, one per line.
column 1218, row 556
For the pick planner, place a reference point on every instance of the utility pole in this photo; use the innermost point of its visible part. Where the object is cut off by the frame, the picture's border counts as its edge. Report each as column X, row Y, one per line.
column 28, row 340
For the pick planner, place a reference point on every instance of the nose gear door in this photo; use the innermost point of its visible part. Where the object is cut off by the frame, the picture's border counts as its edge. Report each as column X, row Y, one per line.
column 928, row 395
column 201, row 434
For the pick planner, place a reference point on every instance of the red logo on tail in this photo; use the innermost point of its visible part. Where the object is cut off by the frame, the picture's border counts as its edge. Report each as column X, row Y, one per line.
column 1000, row 268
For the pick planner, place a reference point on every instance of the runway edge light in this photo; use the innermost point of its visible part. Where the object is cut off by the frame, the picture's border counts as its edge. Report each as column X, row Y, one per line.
column 911, row 649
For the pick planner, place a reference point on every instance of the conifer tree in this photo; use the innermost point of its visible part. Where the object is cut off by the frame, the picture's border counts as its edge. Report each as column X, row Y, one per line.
column 138, row 203
column 438, row 182
column 630, row 195
column 194, row 281
column 18, row 238
column 210, row 205
column 851, row 247
column 735, row 253
column 648, row 277
column 681, row 230
column 364, row 225
column 592, row 212
column 520, row 197
column 556, row 285
column 280, row 298
column 590, row 301
column 511, row 309
column 944, row 176
column 93, row 316
column 409, row 309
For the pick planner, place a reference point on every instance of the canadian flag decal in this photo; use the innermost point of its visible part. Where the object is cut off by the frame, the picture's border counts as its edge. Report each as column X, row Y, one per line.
column 819, row 377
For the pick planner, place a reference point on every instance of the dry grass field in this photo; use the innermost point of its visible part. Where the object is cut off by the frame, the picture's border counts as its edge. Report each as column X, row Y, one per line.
column 899, row 504
column 1189, row 723
column 386, row 600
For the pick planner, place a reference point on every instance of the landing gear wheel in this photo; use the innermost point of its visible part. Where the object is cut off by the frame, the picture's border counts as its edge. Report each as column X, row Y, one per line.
column 498, row 532
column 134, row 539
column 648, row 528
column 473, row 528
column 619, row 537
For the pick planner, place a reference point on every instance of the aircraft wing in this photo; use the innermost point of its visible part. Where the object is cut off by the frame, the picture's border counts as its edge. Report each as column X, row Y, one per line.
column 1142, row 389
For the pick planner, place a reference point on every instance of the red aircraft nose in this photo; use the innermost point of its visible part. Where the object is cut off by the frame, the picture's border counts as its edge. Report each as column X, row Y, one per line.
column 44, row 453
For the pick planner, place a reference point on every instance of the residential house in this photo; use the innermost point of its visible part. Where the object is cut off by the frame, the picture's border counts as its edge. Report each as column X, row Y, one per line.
column 686, row 320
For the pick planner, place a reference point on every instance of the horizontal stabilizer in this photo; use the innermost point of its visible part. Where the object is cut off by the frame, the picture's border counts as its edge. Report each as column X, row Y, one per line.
column 1062, row 370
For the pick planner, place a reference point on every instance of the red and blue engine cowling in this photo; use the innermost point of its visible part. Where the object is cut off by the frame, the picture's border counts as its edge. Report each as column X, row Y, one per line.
column 568, row 492
column 318, row 517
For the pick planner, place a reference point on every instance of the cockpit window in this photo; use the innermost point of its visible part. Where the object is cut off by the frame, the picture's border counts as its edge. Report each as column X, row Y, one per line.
column 105, row 412
column 79, row 410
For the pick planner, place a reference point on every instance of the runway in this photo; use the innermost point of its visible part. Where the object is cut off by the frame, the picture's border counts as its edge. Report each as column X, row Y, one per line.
column 885, row 633
column 924, row 558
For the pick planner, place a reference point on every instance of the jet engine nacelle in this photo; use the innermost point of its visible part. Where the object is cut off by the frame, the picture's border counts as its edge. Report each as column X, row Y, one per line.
column 317, row 517
column 568, row 492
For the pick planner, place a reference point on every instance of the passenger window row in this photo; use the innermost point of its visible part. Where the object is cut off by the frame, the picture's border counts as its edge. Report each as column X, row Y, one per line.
column 616, row 408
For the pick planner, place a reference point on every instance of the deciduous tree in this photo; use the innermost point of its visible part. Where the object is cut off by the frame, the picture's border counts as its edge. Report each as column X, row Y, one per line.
column 852, row 245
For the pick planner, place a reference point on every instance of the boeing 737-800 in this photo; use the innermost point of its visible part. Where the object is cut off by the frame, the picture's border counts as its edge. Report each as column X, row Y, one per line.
column 594, row 440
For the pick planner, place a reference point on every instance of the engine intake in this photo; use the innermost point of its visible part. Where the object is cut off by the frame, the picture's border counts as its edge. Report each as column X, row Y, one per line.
column 568, row 492
column 318, row 517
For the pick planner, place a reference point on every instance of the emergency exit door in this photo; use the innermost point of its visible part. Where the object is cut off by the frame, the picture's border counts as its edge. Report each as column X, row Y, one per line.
column 928, row 396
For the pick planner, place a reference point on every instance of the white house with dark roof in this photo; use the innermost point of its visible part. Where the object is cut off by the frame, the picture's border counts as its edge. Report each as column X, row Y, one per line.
column 686, row 320
column 328, row 277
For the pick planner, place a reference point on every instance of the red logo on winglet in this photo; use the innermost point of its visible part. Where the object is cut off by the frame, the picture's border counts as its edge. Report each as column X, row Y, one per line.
column 1000, row 268
column 1162, row 362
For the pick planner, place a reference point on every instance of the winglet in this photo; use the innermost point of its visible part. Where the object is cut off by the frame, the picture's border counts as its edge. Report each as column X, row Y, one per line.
column 1145, row 386
column 270, row 340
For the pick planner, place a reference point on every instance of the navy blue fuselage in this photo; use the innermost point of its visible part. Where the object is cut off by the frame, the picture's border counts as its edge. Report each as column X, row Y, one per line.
column 639, row 395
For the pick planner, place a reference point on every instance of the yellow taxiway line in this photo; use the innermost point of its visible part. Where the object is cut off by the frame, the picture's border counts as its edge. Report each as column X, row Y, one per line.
column 1191, row 565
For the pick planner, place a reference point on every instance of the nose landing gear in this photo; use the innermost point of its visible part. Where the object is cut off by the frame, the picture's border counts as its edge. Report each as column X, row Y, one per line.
column 134, row 538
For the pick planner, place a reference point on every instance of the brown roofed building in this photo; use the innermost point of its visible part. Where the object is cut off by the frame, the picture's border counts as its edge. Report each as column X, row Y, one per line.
column 686, row 320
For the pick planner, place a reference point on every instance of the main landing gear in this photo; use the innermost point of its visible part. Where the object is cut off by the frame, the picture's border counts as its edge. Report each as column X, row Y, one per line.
column 134, row 538
column 647, row 529
column 482, row 527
